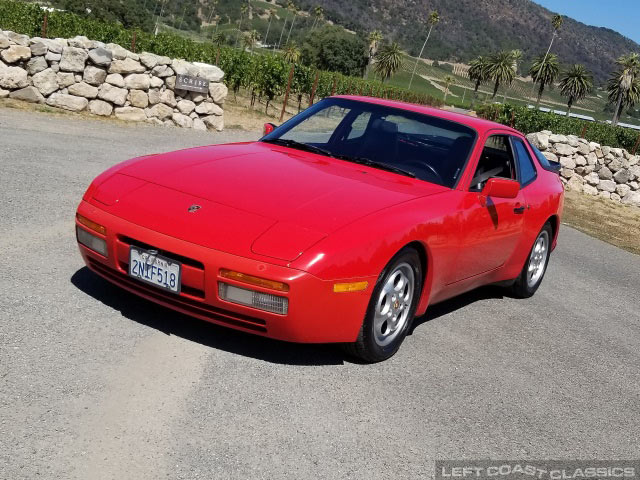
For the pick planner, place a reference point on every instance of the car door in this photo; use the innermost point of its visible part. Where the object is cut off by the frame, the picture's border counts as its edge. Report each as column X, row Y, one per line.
column 489, row 230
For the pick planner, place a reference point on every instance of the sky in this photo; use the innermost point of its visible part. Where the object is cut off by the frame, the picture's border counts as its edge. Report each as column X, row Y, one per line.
column 620, row 15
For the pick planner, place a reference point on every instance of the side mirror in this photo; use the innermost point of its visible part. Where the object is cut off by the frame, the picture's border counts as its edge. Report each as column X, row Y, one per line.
column 499, row 188
column 268, row 128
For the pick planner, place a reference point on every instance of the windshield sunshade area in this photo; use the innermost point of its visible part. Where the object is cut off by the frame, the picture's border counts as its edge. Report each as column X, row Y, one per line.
column 392, row 139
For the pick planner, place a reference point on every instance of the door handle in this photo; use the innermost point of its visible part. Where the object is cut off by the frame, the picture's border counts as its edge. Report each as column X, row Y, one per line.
column 518, row 210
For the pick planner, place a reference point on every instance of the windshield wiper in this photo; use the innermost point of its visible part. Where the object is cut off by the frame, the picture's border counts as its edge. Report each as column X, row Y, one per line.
column 359, row 160
column 372, row 163
column 299, row 146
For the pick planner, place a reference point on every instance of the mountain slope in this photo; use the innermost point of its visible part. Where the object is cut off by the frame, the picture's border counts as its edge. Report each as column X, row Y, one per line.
column 473, row 27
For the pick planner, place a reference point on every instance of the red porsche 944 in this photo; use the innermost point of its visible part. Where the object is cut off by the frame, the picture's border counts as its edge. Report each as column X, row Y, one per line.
column 341, row 225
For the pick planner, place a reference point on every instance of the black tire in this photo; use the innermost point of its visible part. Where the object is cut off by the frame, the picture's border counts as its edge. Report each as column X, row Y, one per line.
column 524, row 287
column 367, row 347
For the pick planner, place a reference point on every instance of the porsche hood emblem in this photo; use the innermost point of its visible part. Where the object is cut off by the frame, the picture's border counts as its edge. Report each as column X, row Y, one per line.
column 194, row 208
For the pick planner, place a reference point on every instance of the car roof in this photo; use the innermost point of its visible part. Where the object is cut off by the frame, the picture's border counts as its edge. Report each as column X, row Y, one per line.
column 479, row 124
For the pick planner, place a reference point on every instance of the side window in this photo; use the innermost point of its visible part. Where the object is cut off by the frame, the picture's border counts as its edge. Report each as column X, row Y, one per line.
column 319, row 128
column 525, row 163
column 359, row 125
column 496, row 160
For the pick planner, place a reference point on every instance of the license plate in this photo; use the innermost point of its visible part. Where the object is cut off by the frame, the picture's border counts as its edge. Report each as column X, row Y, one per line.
column 155, row 269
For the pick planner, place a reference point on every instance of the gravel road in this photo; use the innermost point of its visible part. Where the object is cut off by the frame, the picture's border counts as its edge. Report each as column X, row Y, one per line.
column 96, row 384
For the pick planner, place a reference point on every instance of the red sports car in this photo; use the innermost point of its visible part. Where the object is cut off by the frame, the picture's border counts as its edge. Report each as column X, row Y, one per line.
column 341, row 225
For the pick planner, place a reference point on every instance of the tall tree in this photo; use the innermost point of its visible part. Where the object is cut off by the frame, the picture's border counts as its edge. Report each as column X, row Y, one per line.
column 284, row 26
column 556, row 23
column 318, row 13
column 243, row 10
column 544, row 71
column 448, row 80
column 292, row 53
column 375, row 37
column 270, row 14
column 251, row 38
column 388, row 61
column 478, row 73
column 575, row 84
column 622, row 84
column 500, row 70
column 434, row 19
column 294, row 11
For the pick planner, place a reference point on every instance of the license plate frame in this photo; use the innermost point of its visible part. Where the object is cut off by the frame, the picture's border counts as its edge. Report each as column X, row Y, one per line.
column 147, row 273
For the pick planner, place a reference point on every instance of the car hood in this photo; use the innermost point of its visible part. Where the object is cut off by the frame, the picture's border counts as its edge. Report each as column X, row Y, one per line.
column 260, row 198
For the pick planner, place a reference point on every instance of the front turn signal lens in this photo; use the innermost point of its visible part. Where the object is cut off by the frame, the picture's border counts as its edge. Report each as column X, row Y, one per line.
column 90, row 224
column 251, row 280
column 350, row 287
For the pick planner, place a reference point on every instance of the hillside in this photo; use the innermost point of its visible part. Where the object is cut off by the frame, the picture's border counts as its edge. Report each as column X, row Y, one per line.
column 473, row 27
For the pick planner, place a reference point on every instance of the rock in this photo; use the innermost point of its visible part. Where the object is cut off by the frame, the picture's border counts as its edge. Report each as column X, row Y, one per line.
column 617, row 152
column 607, row 186
column 592, row 178
column 575, row 183
column 22, row 40
column 155, row 121
column 615, row 164
column 634, row 185
column 137, row 81
column 13, row 77
column 563, row 150
column 28, row 94
column 605, row 174
column 170, row 82
column 168, row 97
column 219, row 91
column 579, row 170
column 126, row 66
column 209, row 108
column 606, row 195
column 117, row 51
column 100, row 107
column 580, row 160
column 162, row 71
column 182, row 120
column 589, row 190
column 46, row 82
column 94, row 75
column 210, row 72
column 634, row 160
column 73, row 59
column 634, row 172
column 584, row 149
column 36, row 64
column 154, row 96
column 599, row 153
column 169, row 123
column 66, row 79
column 83, row 89
column 552, row 157
column 115, row 79
column 568, row 162
column 16, row 53
column 115, row 95
column 133, row 56
column 4, row 41
column 199, row 124
column 185, row 107
column 572, row 140
column 592, row 159
column 214, row 122
column 622, row 190
column 593, row 146
column 606, row 150
column 622, row 176
column 193, row 115
column 81, row 42
column 182, row 67
column 197, row 97
column 4, row 93
column 38, row 49
column 138, row 98
column 55, row 67
column 100, row 57
column 160, row 111
column 555, row 138
column 149, row 60
column 53, row 46
column 615, row 197
column 567, row 172
column 632, row 198
column 53, row 57
column 67, row 102
column 131, row 114
column 156, row 82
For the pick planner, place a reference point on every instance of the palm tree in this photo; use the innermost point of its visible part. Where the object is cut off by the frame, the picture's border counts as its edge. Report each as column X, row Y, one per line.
column 218, row 39
column 575, row 84
column 292, row 53
column 388, row 61
column 243, row 10
column 375, row 38
column 250, row 39
column 500, row 70
column 478, row 73
column 319, row 14
column 434, row 18
column 544, row 71
column 270, row 14
column 556, row 23
column 294, row 11
column 284, row 26
column 448, row 80
column 621, row 86
column 516, row 55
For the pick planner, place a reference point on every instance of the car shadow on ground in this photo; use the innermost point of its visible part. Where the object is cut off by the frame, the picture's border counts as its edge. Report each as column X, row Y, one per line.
column 254, row 346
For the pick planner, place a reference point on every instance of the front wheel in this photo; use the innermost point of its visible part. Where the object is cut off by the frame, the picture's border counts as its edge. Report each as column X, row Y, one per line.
column 391, row 308
column 536, row 265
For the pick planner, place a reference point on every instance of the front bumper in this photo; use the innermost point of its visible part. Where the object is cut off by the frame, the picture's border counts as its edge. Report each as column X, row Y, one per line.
column 316, row 314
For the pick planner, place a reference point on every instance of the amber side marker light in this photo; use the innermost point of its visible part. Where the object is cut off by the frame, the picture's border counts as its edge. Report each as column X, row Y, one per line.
column 251, row 280
column 350, row 287
column 96, row 227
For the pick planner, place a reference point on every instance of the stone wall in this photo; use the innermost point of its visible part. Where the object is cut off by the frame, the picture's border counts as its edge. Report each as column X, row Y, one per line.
column 590, row 168
column 107, row 80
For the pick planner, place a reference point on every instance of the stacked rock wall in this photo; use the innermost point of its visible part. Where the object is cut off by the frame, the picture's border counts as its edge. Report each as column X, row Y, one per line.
column 79, row 74
column 591, row 168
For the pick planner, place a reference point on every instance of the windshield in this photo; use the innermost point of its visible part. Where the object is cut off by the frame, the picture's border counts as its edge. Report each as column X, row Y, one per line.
column 414, row 144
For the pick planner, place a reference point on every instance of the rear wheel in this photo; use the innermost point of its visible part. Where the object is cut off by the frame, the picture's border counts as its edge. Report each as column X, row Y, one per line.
column 536, row 265
column 391, row 308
